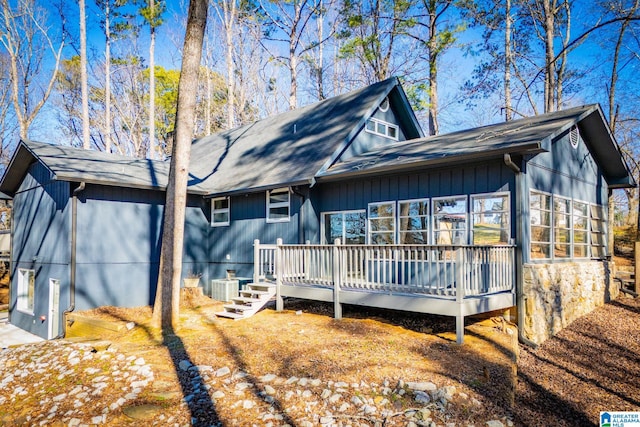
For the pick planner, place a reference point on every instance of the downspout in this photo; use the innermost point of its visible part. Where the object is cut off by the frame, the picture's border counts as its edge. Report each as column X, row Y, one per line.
column 519, row 196
column 301, row 230
column 74, row 240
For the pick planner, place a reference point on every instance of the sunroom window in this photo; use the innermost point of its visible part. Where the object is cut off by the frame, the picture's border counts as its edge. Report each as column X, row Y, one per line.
column 490, row 219
column 598, row 235
column 413, row 218
column 348, row 226
column 540, row 211
column 450, row 220
column 382, row 230
column 561, row 227
column 278, row 202
column 580, row 229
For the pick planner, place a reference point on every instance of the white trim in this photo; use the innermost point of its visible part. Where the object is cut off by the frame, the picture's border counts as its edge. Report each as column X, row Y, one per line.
column 215, row 211
column 385, row 101
column 54, row 288
column 22, row 302
column 377, row 123
column 276, row 205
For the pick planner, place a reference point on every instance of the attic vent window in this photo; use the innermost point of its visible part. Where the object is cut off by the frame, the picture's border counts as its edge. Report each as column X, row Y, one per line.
column 382, row 128
column 574, row 137
column 384, row 105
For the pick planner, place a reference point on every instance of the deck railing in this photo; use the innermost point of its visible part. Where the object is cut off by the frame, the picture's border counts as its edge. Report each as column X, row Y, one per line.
column 445, row 271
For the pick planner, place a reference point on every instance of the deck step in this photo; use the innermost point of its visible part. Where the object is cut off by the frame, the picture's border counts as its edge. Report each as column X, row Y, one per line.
column 245, row 300
column 238, row 307
column 230, row 315
column 253, row 292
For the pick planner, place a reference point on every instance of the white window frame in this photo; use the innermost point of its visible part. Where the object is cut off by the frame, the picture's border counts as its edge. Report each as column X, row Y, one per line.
column 392, row 233
column 549, row 226
column 276, row 205
column 323, row 233
column 427, row 201
column 586, row 229
column 26, row 299
column 379, row 123
column 568, row 227
column 215, row 211
column 506, row 210
column 434, row 215
column 597, row 227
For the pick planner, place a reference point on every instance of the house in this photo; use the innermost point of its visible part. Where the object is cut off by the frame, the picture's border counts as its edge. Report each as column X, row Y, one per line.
column 502, row 216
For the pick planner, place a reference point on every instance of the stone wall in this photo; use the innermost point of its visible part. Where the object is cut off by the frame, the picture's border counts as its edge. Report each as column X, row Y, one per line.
column 557, row 294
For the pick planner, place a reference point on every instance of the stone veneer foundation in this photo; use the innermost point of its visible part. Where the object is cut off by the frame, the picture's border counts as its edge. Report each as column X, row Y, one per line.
column 557, row 294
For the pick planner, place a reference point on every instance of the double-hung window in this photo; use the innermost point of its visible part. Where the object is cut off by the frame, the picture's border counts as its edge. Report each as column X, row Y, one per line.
column 450, row 220
column 220, row 211
column 278, row 203
column 26, row 290
column 413, row 218
column 382, row 223
column 490, row 219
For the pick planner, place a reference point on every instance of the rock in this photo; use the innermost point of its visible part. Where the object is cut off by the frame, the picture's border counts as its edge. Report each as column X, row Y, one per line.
column 326, row 393
column 142, row 412
column 248, row 404
column 268, row 378
column 422, row 397
column 494, row 423
column 218, row 394
column 130, row 325
column 307, row 394
column 223, row 371
column 422, row 386
column 269, row 390
column 184, row 365
column 335, row 398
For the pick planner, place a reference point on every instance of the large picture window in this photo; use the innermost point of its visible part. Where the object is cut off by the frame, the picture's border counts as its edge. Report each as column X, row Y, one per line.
column 490, row 219
column 26, row 290
column 382, row 221
column 278, row 205
column 540, row 211
column 220, row 211
column 348, row 226
column 450, row 220
column 413, row 218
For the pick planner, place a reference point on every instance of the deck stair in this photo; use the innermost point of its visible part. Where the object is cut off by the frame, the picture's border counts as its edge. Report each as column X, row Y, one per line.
column 627, row 282
column 251, row 300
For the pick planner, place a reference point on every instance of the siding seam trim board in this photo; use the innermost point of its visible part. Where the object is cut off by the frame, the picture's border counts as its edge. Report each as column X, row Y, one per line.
column 566, row 175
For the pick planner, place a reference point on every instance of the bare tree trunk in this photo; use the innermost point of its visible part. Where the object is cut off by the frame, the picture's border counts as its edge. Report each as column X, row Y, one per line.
column 166, row 310
column 508, row 113
column 86, row 141
column 154, row 153
column 229, row 20
column 550, row 68
column 107, row 79
column 433, row 71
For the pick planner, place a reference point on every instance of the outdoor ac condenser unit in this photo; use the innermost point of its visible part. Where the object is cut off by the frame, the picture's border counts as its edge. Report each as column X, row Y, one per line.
column 224, row 289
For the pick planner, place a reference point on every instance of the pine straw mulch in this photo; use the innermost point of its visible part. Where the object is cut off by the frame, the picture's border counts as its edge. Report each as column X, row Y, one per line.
column 591, row 366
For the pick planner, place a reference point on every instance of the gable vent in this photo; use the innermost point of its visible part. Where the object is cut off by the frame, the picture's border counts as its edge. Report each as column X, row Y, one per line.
column 574, row 136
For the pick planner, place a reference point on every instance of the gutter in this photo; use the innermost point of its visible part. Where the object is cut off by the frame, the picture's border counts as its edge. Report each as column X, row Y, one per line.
column 303, row 199
column 519, row 196
column 73, row 261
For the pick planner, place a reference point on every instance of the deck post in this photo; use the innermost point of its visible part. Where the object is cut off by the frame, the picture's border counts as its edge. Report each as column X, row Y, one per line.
column 278, row 270
column 337, row 306
column 460, row 285
column 256, row 261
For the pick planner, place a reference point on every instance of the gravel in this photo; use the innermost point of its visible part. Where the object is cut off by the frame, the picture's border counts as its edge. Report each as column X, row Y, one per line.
column 591, row 366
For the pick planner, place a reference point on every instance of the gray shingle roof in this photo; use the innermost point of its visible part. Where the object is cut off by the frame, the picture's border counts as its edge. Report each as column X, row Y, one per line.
column 523, row 136
column 286, row 149
column 74, row 164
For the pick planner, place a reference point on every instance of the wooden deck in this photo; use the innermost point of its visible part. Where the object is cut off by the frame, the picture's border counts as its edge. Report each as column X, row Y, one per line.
column 447, row 280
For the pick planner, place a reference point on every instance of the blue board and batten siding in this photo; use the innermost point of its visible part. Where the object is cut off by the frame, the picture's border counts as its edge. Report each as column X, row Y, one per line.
column 119, row 245
column 42, row 243
column 231, row 246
